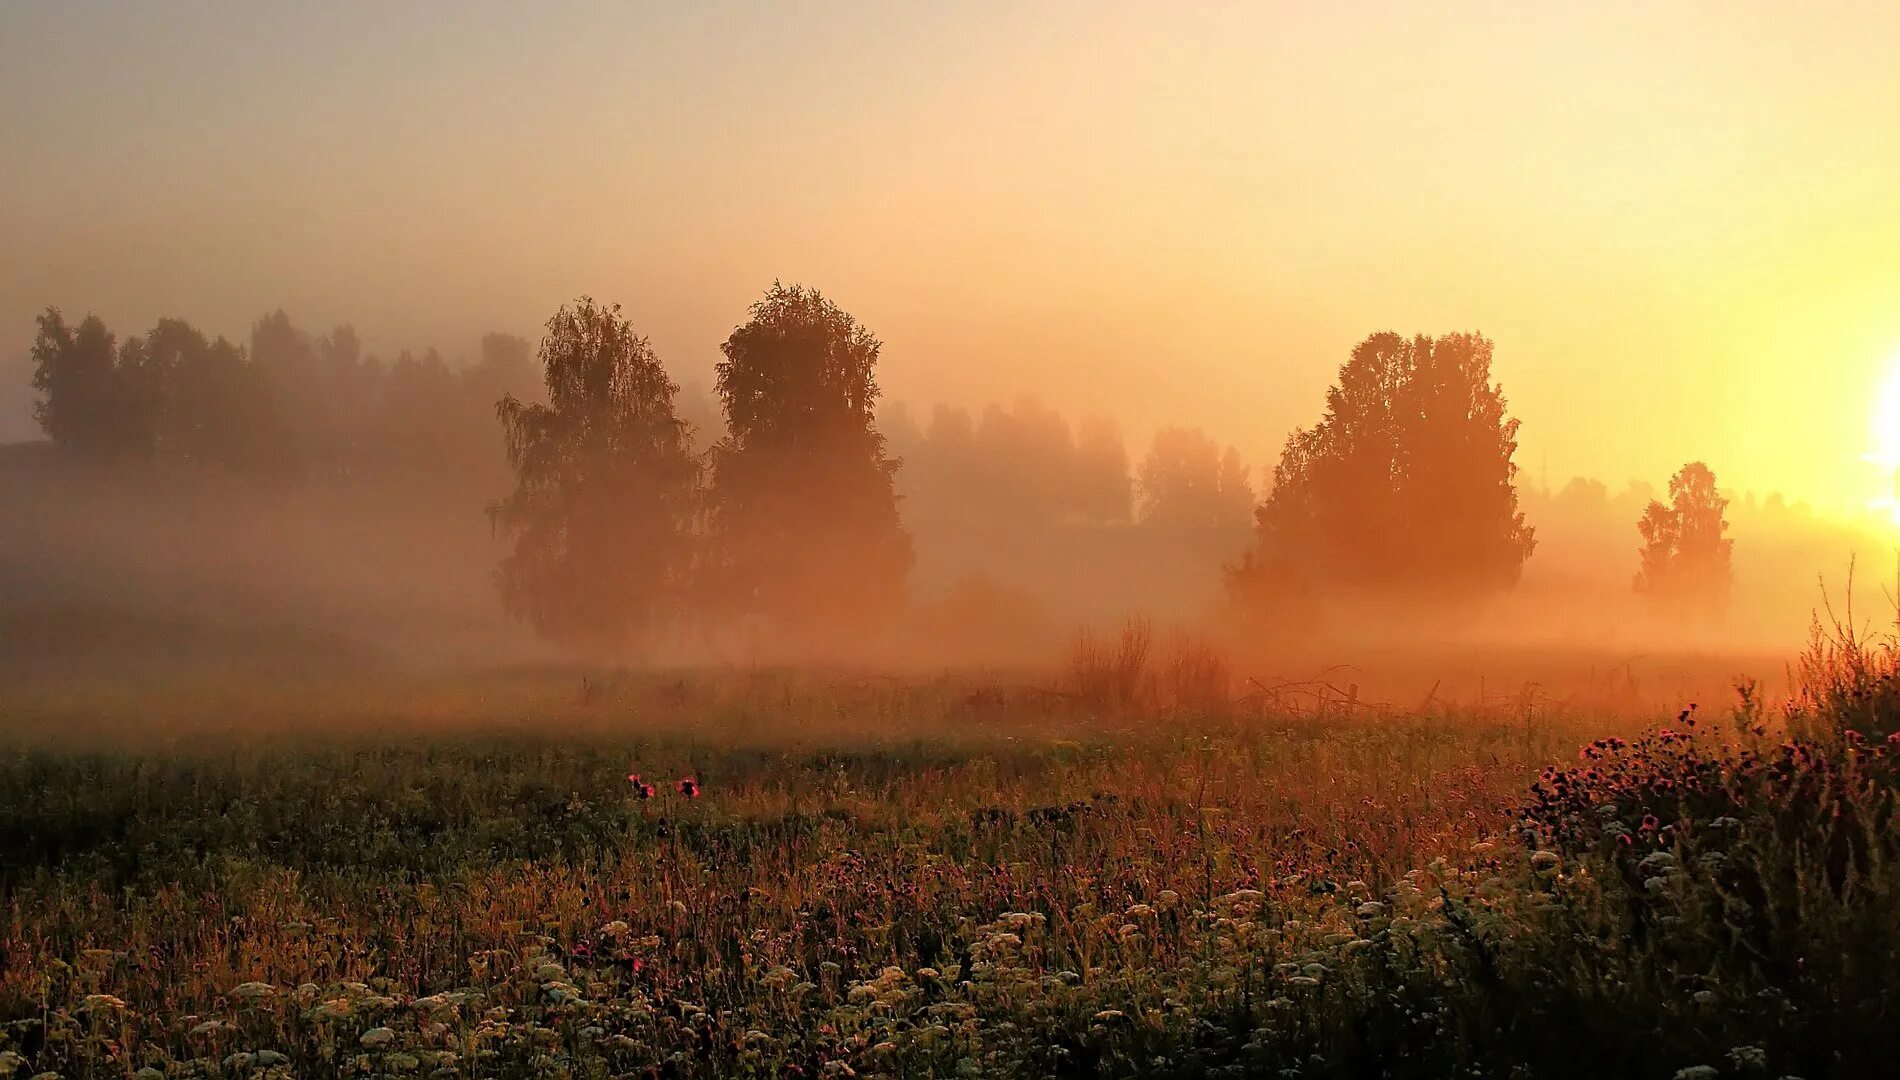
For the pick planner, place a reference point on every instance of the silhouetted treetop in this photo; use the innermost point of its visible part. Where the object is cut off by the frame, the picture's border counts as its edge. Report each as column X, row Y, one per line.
column 1686, row 554
column 602, row 513
column 82, row 398
column 800, row 369
column 803, row 500
column 1406, row 484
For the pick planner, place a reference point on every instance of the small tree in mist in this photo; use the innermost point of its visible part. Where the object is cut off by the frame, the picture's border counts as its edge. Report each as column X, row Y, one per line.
column 1686, row 550
column 803, row 501
column 603, row 507
column 1406, row 485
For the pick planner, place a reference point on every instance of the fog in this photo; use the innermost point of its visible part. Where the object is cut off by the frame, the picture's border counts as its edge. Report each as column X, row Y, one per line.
column 369, row 549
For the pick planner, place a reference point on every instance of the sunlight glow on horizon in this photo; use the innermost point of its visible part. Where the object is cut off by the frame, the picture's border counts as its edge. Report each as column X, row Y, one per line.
column 1885, row 455
column 1676, row 222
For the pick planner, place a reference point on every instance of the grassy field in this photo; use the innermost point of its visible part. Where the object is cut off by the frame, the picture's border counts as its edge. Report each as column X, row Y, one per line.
column 948, row 877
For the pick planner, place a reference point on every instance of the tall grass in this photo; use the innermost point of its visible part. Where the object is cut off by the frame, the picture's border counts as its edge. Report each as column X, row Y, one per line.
column 1112, row 672
column 935, row 879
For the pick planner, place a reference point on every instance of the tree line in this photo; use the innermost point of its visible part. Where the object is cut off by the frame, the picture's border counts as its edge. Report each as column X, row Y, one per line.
column 285, row 404
column 1025, row 465
column 623, row 517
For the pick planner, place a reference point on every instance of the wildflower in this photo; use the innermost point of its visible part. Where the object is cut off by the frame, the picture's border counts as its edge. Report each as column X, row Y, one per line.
column 1657, row 863
column 641, row 789
column 688, row 787
column 254, row 991
column 96, row 1002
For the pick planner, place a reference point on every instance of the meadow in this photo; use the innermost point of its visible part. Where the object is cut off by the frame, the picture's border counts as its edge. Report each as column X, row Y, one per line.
column 1134, row 869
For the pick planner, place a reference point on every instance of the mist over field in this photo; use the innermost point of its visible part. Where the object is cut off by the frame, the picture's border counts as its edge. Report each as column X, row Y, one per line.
column 1030, row 526
column 818, row 540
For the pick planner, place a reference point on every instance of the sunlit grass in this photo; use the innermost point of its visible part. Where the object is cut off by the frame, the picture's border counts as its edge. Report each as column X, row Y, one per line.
column 902, row 877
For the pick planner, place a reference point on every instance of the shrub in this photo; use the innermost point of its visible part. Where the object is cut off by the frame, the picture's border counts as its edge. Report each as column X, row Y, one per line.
column 1112, row 673
column 1194, row 675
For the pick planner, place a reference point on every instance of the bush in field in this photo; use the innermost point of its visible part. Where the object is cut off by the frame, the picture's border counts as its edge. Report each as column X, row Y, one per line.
column 1194, row 674
column 1759, row 882
column 1112, row 672
column 1846, row 681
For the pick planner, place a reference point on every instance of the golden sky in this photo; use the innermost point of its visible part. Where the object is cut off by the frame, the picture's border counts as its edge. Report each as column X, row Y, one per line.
column 1680, row 222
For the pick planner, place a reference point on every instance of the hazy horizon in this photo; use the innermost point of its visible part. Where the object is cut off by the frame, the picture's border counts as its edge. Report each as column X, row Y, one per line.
column 1677, row 224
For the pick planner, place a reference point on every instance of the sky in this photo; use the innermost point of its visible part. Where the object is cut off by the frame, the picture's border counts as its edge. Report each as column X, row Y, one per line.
column 1679, row 222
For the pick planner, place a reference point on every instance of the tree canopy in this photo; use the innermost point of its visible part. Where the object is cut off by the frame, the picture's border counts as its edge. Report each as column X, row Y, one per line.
column 602, row 511
column 803, row 504
column 1686, row 552
column 1406, row 486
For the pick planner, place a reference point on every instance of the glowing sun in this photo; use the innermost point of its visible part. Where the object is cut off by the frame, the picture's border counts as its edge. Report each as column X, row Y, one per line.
column 1885, row 424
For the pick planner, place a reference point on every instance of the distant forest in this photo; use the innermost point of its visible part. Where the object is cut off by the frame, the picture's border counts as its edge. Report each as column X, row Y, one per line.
column 791, row 497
